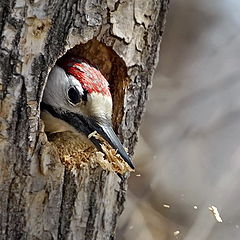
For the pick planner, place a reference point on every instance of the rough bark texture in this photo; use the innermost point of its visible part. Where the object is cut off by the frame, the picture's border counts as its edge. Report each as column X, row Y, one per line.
column 39, row 197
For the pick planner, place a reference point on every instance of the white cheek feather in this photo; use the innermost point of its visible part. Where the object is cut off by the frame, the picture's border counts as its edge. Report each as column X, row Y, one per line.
column 55, row 90
column 54, row 125
column 100, row 105
column 55, row 93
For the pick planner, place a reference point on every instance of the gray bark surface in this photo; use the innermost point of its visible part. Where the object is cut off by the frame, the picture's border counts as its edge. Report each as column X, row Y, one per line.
column 39, row 197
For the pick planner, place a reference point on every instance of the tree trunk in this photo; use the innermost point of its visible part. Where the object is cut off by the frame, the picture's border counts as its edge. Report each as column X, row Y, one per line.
column 39, row 197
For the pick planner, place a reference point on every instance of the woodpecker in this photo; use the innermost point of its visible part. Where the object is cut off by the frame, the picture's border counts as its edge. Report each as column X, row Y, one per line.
column 77, row 99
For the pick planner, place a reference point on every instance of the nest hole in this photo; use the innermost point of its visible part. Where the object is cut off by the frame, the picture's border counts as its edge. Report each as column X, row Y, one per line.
column 72, row 152
column 111, row 66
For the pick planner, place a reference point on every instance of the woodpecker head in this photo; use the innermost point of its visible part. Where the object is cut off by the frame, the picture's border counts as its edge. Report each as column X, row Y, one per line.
column 77, row 98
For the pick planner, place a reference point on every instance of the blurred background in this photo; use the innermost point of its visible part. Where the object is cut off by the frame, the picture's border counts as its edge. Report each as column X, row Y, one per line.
column 188, row 156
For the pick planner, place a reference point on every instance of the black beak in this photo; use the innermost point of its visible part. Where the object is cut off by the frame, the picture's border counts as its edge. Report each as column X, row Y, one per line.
column 87, row 126
column 109, row 135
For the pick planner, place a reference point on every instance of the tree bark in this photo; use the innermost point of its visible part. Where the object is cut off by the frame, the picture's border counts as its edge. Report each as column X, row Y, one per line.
column 39, row 197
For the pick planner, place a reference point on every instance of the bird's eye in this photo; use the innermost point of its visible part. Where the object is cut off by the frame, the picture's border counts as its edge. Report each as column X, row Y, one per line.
column 84, row 96
column 74, row 95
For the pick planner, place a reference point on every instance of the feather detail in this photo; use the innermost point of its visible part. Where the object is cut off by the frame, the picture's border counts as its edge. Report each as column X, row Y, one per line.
column 91, row 78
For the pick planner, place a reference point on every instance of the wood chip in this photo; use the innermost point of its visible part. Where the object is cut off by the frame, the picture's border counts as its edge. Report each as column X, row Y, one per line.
column 215, row 213
column 166, row 206
column 176, row 233
column 77, row 152
column 114, row 161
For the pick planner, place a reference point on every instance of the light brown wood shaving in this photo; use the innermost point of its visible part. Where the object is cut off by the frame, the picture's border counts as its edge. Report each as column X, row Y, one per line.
column 113, row 161
column 76, row 152
column 176, row 233
column 215, row 213
column 72, row 150
column 166, row 205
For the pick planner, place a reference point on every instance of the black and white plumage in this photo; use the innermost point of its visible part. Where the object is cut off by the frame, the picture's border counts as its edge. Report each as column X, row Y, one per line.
column 77, row 99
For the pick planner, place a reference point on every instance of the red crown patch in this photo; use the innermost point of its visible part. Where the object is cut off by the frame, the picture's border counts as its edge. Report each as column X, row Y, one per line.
column 91, row 79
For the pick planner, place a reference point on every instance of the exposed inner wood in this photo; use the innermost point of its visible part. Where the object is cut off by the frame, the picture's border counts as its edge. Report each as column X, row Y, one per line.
column 78, row 153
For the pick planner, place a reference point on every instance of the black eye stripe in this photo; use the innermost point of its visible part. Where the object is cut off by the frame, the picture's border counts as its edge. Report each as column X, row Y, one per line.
column 74, row 95
column 84, row 96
